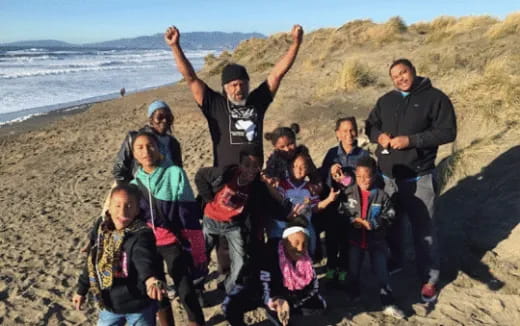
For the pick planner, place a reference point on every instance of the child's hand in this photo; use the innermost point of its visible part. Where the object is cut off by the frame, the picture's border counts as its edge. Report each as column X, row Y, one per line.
column 86, row 248
column 333, row 195
column 297, row 209
column 281, row 306
column 362, row 223
column 155, row 288
column 78, row 301
column 336, row 172
column 273, row 182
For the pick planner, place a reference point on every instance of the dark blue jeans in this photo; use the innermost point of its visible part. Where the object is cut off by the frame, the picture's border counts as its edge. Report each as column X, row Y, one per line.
column 416, row 200
column 145, row 317
column 233, row 232
column 378, row 261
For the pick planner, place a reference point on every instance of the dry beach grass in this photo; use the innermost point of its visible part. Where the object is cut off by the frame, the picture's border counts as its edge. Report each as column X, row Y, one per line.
column 54, row 178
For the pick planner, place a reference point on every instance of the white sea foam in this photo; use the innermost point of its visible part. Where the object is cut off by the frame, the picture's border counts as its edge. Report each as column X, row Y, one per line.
column 44, row 79
column 20, row 119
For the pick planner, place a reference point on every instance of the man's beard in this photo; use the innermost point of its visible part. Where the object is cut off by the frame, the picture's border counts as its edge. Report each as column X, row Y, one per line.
column 235, row 102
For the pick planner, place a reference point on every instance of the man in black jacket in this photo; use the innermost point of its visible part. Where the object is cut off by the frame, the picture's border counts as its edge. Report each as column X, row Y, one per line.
column 408, row 124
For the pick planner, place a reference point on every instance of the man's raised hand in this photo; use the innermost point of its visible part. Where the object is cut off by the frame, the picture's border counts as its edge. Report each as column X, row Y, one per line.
column 297, row 33
column 171, row 36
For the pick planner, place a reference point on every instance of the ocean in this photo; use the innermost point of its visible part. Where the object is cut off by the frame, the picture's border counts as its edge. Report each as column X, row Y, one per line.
column 35, row 81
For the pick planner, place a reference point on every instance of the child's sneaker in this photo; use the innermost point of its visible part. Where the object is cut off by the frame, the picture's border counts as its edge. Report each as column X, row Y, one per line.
column 393, row 311
column 172, row 292
column 428, row 293
column 330, row 275
column 353, row 296
column 353, row 299
column 342, row 277
column 394, row 267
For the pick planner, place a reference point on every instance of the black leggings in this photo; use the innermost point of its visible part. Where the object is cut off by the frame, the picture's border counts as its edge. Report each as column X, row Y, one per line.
column 178, row 265
column 245, row 298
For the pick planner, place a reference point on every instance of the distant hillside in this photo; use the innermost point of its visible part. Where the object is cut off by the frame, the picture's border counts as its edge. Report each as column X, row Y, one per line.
column 39, row 44
column 189, row 41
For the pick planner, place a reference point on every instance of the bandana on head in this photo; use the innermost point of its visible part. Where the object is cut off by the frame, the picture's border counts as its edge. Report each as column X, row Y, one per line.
column 156, row 105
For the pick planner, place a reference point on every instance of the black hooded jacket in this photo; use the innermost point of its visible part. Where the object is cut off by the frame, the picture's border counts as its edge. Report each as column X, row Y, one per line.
column 426, row 116
column 125, row 166
column 128, row 294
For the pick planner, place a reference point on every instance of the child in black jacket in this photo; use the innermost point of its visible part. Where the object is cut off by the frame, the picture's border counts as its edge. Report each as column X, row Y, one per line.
column 122, row 272
column 369, row 212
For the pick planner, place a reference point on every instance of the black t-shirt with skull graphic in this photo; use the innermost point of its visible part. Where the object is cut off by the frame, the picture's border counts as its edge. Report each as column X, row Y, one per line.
column 234, row 128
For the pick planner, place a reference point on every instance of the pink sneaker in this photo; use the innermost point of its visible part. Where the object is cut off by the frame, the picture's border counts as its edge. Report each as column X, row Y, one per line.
column 428, row 293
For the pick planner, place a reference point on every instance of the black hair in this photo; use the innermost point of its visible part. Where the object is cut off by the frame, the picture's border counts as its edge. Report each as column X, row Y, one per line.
column 298, row 220
column 255, row 151
column 303, row 152
column 403, row 61
column 130, row 189
column 289, row 132
column 369, row 163
column 147, row 134
column 350, row 119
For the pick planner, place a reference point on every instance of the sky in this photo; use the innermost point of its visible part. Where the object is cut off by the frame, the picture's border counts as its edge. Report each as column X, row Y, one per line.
column 84, row 21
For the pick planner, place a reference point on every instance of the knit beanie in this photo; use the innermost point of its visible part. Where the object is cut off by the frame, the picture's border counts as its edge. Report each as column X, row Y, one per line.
column 233, row 72
column 156, row 105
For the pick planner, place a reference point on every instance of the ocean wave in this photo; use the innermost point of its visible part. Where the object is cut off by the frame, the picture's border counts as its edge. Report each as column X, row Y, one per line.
column 20, row 119
column 47, row 72
column 85, row 59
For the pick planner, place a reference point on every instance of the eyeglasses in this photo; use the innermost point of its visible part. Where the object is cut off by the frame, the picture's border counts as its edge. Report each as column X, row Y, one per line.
column 161, row 117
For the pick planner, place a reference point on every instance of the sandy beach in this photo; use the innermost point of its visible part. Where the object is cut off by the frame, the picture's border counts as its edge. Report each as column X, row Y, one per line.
column 56, row 171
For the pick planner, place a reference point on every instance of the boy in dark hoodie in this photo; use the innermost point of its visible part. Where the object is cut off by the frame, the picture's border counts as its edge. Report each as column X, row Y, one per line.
column 370, row 212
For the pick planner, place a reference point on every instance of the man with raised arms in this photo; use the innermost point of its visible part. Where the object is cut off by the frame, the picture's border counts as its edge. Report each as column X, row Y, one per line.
column 236, row 116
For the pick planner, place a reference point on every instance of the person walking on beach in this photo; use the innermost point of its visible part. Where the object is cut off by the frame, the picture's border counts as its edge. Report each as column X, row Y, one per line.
column 236, row 117
column 408, row 124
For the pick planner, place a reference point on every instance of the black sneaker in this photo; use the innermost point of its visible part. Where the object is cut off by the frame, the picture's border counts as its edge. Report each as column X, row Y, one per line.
column 172, row 292
column 353, row 298
column 394, row 267
column 394, row 311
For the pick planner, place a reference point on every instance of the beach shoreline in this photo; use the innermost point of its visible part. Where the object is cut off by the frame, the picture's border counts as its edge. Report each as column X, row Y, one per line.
column 39, row 121
column 49, row 113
